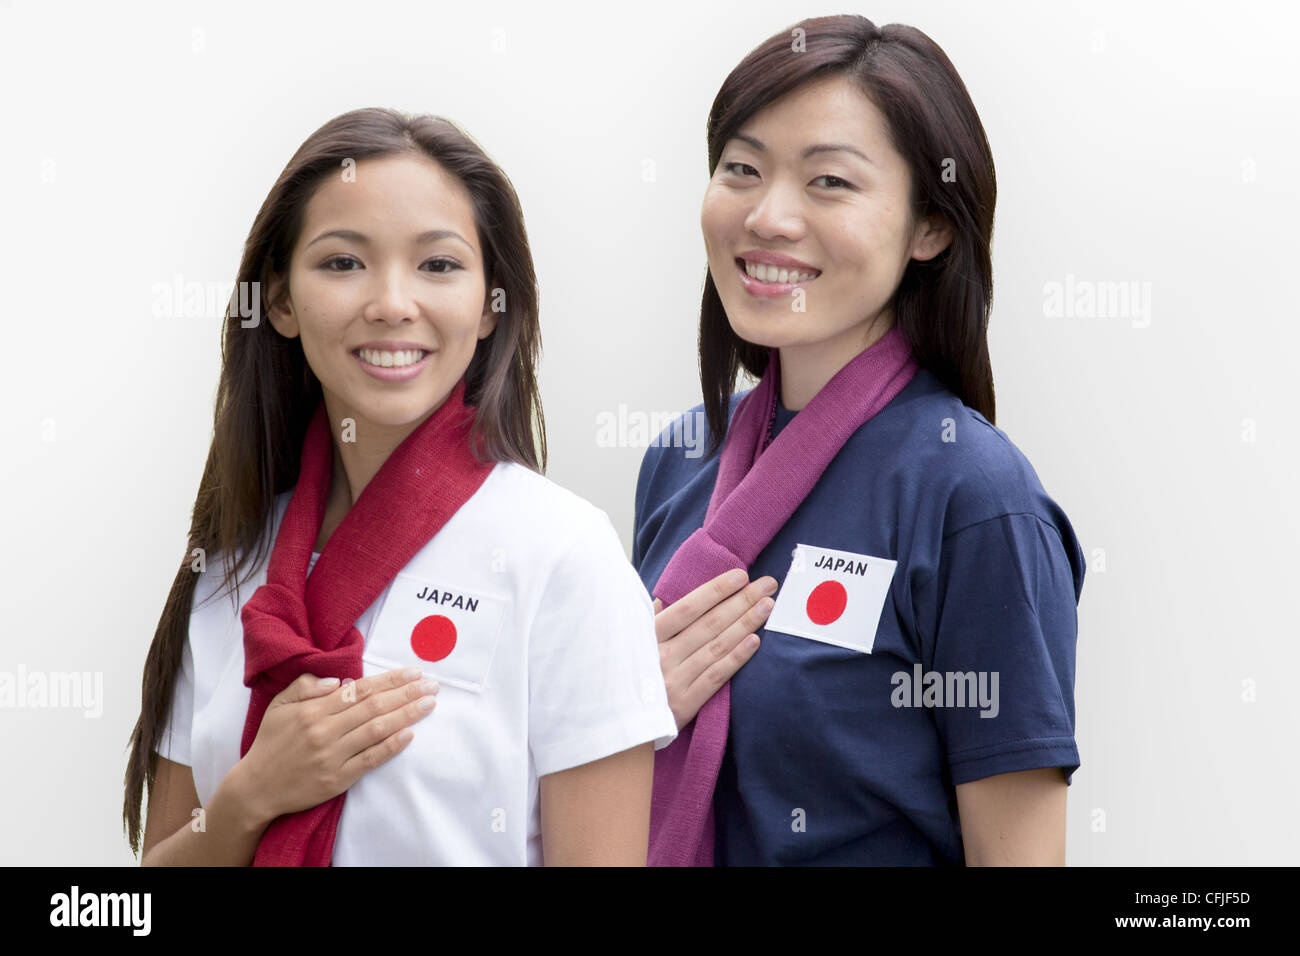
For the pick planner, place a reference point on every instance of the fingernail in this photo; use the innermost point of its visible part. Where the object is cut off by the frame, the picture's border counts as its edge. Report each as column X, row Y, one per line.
column 327, row 682
column 411, row 673
column 425, row 703
column 429, row 687
column 769, row 585
column 765, row 606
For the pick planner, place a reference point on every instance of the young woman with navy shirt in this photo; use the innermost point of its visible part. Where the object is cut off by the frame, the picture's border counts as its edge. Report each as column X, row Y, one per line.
column 894, row 655
column 375, row 431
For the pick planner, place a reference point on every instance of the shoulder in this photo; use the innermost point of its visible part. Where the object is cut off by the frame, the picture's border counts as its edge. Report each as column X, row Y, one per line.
column 524, row 500
column 953, row 455
column 961, row 472
column 517, row 487
column 680, row 448
column 570, row 545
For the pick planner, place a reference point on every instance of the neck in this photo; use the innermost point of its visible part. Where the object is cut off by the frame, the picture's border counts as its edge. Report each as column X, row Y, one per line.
column 358, row 460
column 805, row 369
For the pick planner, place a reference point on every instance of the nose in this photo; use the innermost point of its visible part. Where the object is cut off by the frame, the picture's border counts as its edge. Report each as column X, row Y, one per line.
column 777, row 213
column 392, row 301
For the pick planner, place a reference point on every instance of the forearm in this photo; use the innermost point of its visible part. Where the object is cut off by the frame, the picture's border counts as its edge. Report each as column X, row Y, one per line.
column 227, row 835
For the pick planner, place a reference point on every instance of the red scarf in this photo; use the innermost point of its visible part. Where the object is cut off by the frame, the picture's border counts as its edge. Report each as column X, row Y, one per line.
column 295, row 624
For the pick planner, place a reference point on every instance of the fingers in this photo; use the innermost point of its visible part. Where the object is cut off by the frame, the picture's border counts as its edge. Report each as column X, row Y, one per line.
column 714, row 621
column 305, row 687
column 716, row 658
column 680, row 614
column 359, row 764
column 352, row 692
column 322, row 686
column 383, row 716
column 711, row 678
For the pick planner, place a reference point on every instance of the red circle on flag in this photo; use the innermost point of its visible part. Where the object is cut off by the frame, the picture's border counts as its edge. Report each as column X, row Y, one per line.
column 433, row 638
column 827, row 602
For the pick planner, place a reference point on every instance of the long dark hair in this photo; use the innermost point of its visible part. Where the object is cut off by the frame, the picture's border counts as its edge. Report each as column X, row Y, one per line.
column 267, row 393
column 941, row 305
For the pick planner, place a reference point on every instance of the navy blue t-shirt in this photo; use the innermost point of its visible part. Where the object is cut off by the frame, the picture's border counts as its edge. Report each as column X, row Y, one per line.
column 836, row 756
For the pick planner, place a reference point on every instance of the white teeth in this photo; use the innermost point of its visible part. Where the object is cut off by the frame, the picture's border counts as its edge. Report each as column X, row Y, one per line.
column 764, row 273
column 390, row 359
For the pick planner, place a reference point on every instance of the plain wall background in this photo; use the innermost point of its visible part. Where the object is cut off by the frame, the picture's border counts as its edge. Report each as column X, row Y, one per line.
column 1151, row 143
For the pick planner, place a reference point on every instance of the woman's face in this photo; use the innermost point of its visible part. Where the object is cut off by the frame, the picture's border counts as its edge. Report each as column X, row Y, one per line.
column 387, row 289
column 812, row 177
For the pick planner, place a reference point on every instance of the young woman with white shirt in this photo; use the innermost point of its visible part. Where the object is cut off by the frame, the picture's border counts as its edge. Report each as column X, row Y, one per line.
column 375, row 434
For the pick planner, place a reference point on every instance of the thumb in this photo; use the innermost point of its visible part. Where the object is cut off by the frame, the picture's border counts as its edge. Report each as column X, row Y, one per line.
column 659, row 605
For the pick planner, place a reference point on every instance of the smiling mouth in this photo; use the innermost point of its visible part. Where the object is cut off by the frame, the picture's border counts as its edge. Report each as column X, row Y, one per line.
column 383, row 359
column 776, row 275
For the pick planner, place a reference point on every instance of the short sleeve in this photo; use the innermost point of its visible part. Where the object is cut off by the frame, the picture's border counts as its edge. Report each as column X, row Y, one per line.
column 1005, row 635
column 175, row 742
column 595, row 685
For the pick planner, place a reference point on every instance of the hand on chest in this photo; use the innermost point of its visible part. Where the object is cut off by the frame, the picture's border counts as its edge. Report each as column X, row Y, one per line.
column 447, row 626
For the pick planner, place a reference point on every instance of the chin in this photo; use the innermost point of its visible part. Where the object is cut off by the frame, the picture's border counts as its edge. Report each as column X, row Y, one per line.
column 395, row 411
column 774, row 333
column 415, row 411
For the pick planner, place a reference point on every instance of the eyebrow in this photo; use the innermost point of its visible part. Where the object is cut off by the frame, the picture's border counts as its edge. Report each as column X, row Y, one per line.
column 812, row 150
column 430, row 235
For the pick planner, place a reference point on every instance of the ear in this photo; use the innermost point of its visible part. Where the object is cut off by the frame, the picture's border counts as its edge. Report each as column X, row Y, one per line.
column 932, row 235
column 488, row 323
column 280, row 308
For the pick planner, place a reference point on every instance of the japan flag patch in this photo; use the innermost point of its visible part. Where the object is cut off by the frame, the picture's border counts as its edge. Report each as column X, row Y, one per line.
column 448, row 631
column 833, row 596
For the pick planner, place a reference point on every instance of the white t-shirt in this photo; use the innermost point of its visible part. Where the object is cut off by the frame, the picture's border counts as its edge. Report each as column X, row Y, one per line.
column 541, row 634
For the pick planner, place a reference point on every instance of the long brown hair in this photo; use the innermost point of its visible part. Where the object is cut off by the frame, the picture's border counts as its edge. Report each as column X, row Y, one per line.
column 941, row 305
column 267, row 393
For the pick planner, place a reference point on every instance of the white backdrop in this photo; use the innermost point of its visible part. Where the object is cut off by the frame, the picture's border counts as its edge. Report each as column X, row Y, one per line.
column 1151, row 145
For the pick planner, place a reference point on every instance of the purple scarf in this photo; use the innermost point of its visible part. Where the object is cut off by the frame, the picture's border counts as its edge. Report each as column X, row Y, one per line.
column 752, row 500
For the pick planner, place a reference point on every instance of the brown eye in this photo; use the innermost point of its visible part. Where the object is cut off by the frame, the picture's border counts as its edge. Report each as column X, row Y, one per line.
column 449, row 263
column 836, row 182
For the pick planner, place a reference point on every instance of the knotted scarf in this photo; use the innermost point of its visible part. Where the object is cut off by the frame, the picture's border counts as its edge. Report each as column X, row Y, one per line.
column 758, row 488
column 295, row 623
